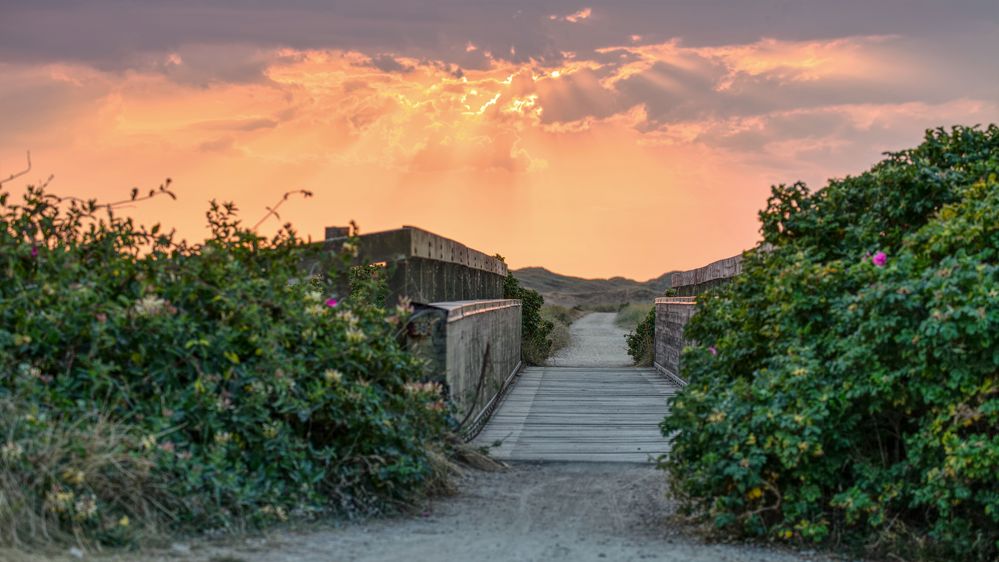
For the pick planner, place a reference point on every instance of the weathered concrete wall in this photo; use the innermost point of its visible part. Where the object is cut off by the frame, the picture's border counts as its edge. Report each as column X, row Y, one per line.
column 673, row 313
column 696, row 281
column 427, row 267
column 453, row 336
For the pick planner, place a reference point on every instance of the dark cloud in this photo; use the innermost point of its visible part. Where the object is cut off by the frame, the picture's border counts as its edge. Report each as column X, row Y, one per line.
column 388, row 63
column 109, row 33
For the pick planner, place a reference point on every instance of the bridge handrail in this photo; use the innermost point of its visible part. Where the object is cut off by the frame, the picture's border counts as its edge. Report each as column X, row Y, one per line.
column 676, row 300
column 457, row 310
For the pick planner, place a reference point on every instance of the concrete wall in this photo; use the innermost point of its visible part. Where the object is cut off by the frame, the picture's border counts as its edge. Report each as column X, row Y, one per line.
column 427, row 267
column 673, row 313
column 453, row 337
column 695, row 281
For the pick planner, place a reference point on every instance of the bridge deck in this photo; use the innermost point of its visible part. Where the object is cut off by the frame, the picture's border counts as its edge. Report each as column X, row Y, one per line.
column 603, row 414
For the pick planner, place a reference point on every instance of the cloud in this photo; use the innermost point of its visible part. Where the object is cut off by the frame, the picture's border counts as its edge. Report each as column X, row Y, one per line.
column 388, row 63
column 574, row 17
column 243, row 124
column 103, row 34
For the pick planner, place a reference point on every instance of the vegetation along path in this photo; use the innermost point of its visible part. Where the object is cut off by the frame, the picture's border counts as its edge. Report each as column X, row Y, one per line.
column 552, row 510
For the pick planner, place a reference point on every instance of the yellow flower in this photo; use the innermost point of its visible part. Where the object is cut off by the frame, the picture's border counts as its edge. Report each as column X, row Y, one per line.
column 123, row 522
column 58, row 501
column 754, row 494
column 332, row 376
column 73, row 476
column 716, row 417
column 271, row 430
column 349, row 317
column 350, row 249
column 354, row 335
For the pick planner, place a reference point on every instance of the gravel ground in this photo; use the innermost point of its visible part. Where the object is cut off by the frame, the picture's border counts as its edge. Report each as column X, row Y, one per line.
column 595, row 342
column 531, row 512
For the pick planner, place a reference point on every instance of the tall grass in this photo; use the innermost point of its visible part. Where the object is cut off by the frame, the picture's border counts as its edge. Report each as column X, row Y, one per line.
column 561, row 317
column 88, row 480
column 631, row 314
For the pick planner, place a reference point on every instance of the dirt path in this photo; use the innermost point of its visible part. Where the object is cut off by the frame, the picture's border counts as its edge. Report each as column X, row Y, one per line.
column 596, row 341
column 532, row 512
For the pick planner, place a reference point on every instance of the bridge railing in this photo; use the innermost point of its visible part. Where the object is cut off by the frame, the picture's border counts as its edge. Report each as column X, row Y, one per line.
column 673, row 312
column 427, row 267
column 672, row 315
column 473, row 348
column 468, row 333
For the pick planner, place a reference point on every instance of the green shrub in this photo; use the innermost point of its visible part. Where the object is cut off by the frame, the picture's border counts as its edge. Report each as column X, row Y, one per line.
column 846, row 385
column 561, row 318
column 536, row 342
column 641, row 341
column 250, row 390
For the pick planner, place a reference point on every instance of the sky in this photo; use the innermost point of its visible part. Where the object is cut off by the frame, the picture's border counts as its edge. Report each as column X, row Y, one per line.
column 594, row 138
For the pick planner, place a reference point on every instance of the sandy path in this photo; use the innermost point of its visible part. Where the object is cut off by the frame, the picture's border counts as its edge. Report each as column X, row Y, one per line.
column 532, row 512
column 596, row 342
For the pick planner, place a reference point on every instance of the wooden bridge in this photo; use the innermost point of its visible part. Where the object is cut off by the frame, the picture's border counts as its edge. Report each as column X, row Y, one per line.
column 588, row 405
column 600, row 410
column 593, row 414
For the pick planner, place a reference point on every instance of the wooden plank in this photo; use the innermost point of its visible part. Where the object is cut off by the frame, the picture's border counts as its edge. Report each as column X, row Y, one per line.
column 581, row 414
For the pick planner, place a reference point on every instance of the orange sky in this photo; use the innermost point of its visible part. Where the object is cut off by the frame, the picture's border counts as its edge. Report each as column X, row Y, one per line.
column 632, row 158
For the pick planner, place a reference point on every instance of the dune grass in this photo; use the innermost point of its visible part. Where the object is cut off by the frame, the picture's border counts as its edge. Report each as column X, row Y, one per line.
column 562, row 317
column 631, row 314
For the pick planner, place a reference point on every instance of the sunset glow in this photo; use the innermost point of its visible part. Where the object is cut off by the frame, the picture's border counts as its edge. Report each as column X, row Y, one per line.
column 627, row 153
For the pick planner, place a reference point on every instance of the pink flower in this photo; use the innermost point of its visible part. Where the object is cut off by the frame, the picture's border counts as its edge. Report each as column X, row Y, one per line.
column 879, row 259
column 34, row 251
column 713, row 350
column 332, row 302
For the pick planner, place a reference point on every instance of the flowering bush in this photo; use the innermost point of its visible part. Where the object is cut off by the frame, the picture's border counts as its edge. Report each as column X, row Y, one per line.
column 244, row 388
column 846, row 385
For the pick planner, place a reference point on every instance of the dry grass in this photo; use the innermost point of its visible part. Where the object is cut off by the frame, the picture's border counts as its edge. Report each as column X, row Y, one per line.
column 75, row 481
column 562, row 317
column 630, row 315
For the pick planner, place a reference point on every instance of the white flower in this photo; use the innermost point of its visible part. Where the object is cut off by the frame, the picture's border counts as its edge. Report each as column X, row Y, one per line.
column 86, row 507
column 11, row 451
column 149, row 305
